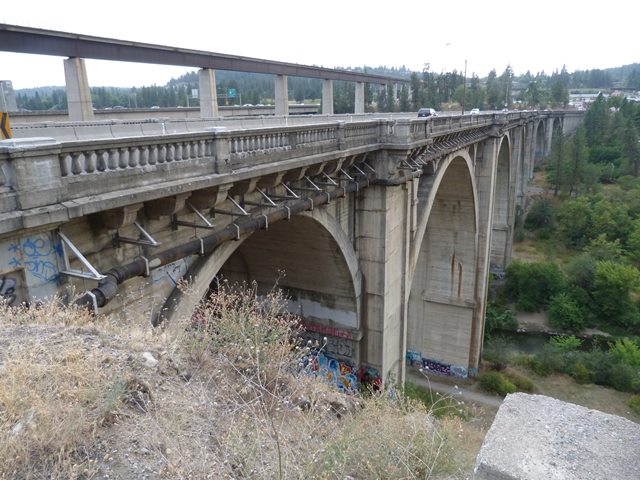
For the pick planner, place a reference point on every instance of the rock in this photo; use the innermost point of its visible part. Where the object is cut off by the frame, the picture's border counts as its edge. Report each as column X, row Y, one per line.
column 149, row 360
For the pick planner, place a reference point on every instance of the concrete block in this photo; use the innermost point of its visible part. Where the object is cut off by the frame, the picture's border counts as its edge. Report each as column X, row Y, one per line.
column 534, row 437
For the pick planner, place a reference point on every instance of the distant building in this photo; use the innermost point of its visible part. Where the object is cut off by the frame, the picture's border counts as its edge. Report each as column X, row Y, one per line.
column 7, row 97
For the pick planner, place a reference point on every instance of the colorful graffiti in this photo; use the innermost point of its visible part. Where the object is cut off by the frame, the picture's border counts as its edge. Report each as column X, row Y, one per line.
column 335, row 372
column 369, row 379
column 416, row 359
column 38, row 255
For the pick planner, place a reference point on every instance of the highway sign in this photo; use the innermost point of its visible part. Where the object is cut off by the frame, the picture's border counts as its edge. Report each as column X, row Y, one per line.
column 232, row 93
column 5, row 128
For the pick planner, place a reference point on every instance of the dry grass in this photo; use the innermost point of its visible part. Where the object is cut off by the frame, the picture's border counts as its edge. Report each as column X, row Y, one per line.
column 82, row 397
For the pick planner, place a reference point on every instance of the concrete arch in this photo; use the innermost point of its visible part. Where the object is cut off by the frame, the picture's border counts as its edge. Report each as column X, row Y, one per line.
column 539, row 145
column 326, row 281
column 427, row 191
column 502, row 221
column 442, row 294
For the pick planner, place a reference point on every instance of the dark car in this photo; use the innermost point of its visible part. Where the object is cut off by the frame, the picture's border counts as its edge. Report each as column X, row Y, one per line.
column 427, row 112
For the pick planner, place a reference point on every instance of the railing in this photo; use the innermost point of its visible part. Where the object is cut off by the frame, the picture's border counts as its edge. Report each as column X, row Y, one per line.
column 39, row 172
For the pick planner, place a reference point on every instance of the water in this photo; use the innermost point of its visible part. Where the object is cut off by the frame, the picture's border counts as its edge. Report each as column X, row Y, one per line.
column 530, row 343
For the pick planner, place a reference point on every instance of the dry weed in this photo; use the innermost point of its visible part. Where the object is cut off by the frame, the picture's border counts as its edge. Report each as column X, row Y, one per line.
column 226, row 399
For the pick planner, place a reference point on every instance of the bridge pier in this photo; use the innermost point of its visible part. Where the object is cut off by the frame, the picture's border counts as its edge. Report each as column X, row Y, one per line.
column 383, row 233
column 327, row 96
column 282, row 95
column 78, row 92
column 485, row 177
column 208, row 94
column 359, row 103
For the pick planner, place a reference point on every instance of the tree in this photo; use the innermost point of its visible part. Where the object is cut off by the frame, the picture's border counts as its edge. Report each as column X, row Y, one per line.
column 404, row 99
column 493, row 90
column 613, row 283
column 565, row 314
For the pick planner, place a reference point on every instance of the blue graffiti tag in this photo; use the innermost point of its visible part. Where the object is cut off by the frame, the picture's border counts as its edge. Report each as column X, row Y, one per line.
column 38, row 256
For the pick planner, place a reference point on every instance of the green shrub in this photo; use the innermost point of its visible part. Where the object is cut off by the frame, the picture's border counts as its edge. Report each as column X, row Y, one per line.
column 581, row 374
column 551, row 360
column 540, row 215
column 495, row 382
column 521, row 382
column 626, row 351
column 565, row 343
column 495, row 351
column 531, row 285
column 624, row 378
column 565, row 314
column 634, row 404
column 498, row 317
column 531, row 362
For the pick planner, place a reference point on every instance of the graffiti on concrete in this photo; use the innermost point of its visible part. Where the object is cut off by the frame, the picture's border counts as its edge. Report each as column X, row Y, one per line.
column 369, row 378
column 8, row 289
column 340, row 347
column 38, row 255
column 335, row 372
column 416, row 359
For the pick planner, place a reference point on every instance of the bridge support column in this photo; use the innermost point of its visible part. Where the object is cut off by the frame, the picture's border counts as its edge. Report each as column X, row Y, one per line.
column 78, row 92
column 359, row 107
column 327, row 97
column 383, row 235
column 529, row 150
column 485, row 173
column 282, row 95
column 208, row 94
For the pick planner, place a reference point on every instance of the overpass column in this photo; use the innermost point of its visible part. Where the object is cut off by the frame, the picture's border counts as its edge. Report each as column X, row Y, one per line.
column 327, row 96
column 282, row 95
column 529, row 150
column 359, row 107
column 485, row 173
column 208, row 94
column 78, row 93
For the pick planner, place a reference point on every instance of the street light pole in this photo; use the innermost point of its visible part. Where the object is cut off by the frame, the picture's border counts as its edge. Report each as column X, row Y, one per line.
column 464, row 86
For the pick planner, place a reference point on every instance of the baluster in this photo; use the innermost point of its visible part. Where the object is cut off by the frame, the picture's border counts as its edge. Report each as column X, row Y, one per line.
column 154, row 155
column 171, row 152
column 134, row 156
column 123, row 161
column 162, row 154
column 114, row 156
column 144, row 155
column 103, row 162
column 65, row 165
column 178, row 149
column 77, row 160
column 90, row 161
column 186, row 150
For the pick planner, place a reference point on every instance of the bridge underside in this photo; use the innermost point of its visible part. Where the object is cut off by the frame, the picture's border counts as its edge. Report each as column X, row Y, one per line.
column 441, row 303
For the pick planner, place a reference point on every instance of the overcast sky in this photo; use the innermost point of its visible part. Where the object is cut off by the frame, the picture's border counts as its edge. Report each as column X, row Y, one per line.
column 537, row 35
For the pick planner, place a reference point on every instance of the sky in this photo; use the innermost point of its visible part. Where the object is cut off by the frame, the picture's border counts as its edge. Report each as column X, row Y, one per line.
column 537, row 35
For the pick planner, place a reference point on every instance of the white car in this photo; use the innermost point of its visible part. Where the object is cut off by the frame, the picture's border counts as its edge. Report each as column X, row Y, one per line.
column 474, row 111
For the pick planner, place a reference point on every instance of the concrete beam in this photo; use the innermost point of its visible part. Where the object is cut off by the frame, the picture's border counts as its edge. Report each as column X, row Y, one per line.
column 327, row 97
column 359, row 107
column 16, row 38
column 78, row 92
column 208, row 95
column 282, row 95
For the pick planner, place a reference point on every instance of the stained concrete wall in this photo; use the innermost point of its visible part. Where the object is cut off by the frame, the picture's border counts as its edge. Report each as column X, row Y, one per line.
column 443, row 285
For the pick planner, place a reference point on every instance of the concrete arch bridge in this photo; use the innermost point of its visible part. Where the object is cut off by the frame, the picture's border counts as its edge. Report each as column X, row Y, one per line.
column 385, row 229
